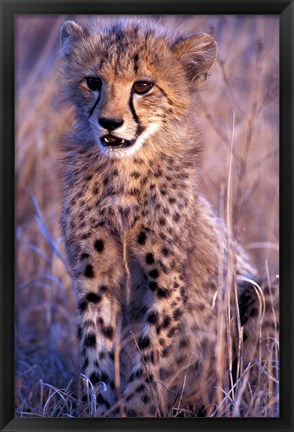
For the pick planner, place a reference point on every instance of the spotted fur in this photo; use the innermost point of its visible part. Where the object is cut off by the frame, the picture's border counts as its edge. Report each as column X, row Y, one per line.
column 144, row 245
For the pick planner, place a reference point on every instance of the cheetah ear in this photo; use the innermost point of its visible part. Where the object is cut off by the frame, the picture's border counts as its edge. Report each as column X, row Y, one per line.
column 198, row 54
column 70, row 32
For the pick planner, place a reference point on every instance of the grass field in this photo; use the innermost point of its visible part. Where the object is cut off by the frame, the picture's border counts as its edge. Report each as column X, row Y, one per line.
column 238, row 115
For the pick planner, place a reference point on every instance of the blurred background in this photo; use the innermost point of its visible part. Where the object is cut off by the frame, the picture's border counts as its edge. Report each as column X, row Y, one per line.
column 238, row 108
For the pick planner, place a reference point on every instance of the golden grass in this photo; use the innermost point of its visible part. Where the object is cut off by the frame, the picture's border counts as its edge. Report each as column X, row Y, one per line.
column 238, row 116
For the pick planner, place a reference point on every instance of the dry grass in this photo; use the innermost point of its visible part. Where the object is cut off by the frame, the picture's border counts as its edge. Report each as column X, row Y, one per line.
column 238, row 115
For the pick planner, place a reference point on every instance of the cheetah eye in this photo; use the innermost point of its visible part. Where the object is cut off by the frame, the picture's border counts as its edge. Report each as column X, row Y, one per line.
column 142, row 87
column 94, row 83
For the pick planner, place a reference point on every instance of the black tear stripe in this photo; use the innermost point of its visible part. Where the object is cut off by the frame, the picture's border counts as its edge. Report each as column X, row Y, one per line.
column 131, row 105
column 165, row 94
column 140, row 128
column 95, row 104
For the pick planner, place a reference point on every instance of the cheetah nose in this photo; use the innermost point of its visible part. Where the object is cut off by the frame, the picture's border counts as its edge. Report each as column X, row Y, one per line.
column 110, row 124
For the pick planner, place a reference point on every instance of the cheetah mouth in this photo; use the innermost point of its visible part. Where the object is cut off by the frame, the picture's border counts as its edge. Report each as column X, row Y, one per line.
column 115, row 142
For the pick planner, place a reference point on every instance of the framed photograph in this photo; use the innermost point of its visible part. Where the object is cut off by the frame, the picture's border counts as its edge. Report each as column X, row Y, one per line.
column 146, row 215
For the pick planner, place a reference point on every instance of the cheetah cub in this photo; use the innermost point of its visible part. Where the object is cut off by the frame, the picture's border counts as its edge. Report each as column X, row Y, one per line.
column 146, row 251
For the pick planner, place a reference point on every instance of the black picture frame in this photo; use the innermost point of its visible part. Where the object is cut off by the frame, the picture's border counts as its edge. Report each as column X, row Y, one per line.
column 9, row 8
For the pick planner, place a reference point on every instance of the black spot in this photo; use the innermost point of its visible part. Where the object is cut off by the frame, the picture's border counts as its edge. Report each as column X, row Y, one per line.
column 158, row 329
column 245, row 336
column 105, row 181
column 93, row 298
column 165, row 251
column 140, row 389
column 158, row 173
column 88, row 323
column 134, row 192
column 172, row 200
column 183, row 343
column 166, row 351
column 177, row 313
column 153, row 286
column 152, row 186
column 163, row 191
column 153, row 199
column 99, row 245
column 114, row 172
column 181, row 359
column 135, row 174
column 145, row 398
column 79, row 332
column 95, row 190
column 171, row 332
column 152, row 357
column 111, row 354
column 100, row 400
column 161, row 342
column 89, row 273
column 176, row 217
column 85, row 236
column 124, row 212
column 139, row 373
column 162, row 221
column 143, row 342
column 141, row 238
column 100, row 321
column 166, row 322
column 136, row 58
column 149, row 379
column 132, row 377
column 138, row 161
column 154, row 274
column 103, row 289
column 82, row 306
column 90, row 340
column 84, row 256
column 163, row 293
column 152, row 317
column 95, row 378
column 149, row 258
column 107, row 332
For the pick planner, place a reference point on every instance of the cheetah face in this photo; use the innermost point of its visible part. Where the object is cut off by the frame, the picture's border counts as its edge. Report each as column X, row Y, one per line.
column 130, row 82
column 118, row 121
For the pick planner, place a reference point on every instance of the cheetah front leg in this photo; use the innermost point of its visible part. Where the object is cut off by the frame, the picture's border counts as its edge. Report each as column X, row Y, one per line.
column 148, row 389
column 100, row 278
